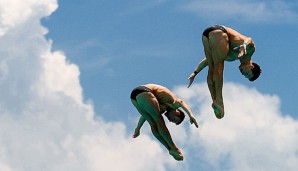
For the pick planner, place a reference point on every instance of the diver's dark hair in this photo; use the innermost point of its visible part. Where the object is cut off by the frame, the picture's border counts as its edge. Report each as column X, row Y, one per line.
column 256, row 71
column 181, row 116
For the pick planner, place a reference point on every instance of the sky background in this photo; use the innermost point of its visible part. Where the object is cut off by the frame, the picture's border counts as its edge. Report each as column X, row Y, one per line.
column 67, row 69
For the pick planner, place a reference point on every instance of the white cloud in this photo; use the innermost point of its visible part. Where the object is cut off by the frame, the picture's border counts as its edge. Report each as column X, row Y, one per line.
column 13, row 13
column 44, row 122
column 253, row 135
column 253, row 11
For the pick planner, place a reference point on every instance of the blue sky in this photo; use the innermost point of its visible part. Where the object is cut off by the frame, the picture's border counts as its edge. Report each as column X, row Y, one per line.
column 121, row 45
column 67, row 70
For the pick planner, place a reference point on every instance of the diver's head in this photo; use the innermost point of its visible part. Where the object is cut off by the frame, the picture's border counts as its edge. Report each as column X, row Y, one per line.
column 251, row 71
column 176, row 116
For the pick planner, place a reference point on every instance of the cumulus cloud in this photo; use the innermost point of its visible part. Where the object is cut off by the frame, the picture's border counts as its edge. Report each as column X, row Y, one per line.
column 253, row 135
column 45, row 124
column 13, row 13
column 253, row 11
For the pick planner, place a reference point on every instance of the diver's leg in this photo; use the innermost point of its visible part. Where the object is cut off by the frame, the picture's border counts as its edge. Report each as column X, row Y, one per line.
column 152, row 124
column 219, row 45
column 209, row 58
column 150, row 104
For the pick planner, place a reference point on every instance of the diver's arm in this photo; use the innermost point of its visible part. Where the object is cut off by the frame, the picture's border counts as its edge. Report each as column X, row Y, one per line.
column 198, row 69
column 139, row 126
column 181, row 103
column 242, row 48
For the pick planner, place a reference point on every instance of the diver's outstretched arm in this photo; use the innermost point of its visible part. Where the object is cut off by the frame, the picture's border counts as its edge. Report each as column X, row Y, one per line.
column 139, row 126
column 198, row 69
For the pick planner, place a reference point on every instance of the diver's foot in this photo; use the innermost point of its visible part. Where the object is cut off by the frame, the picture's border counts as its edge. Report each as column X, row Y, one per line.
column 218, row 110
column 177, row 154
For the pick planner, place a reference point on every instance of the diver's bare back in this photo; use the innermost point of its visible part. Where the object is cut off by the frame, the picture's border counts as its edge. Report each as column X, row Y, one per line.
column 163, row 94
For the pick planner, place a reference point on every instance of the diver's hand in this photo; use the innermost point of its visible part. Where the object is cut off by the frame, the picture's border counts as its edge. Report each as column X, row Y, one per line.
column 191, row 78
column 241, row 49
column 136, row 133
column 193, row 121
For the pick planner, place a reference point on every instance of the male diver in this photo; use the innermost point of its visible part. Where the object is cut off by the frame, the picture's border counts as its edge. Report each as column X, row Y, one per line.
column 221, row 44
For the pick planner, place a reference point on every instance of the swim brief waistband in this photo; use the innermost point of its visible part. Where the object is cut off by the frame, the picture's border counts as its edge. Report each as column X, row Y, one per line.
column 212, row 28
column 138, row 90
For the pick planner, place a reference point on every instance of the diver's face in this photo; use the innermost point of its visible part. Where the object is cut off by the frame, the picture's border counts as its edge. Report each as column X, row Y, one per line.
column 246, row 71
column 173, row 116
